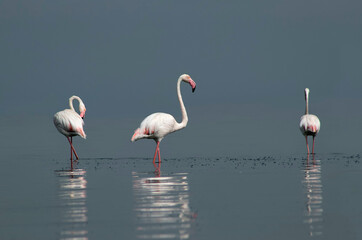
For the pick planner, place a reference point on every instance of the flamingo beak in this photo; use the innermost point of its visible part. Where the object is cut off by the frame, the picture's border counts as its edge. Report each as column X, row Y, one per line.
column 82, row 114
column 193, row 84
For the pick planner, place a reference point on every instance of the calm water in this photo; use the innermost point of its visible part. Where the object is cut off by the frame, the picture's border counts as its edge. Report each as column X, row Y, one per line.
column 248, row 197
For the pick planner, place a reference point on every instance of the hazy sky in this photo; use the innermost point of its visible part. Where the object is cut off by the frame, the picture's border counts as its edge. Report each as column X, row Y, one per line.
column 251, row 61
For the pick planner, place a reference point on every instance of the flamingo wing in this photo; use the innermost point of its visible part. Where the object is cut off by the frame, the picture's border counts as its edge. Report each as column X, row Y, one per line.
column 155, row 126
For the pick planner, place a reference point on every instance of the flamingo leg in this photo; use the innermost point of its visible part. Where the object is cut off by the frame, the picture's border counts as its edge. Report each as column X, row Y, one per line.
column 75, row 153
column 306, row 140
column 157, row 169
column 159, row 156
column 71, row 154
column 154, row 157
column 72, row 148
column 313, row 145
column 307, row 160
column 159, row 166
column 314, row 162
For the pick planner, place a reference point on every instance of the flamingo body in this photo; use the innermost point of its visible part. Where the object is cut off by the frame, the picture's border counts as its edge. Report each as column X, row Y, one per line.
column 157, row 125
column 69, row 123
column 309, row 125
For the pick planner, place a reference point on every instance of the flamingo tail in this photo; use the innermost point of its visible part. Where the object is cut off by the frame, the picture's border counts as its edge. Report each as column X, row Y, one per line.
column 139, row 134
column 82, row 133
column 136, row 135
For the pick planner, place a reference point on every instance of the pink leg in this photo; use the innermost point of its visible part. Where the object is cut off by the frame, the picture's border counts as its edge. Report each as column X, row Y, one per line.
column 71, row 146
column 154, row 158
column 75, row 153
column 71, row 154
column 157, row 170
column 314, row 162
column 157, row 167
column 306, row 140
column 307, row 160
column 159, row 156
column 313, row 145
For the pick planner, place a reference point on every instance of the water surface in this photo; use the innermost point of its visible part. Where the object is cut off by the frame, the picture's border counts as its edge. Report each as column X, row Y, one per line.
column 246, row 197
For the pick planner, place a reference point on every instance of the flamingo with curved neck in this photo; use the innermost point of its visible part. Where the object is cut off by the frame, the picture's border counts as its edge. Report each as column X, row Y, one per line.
column 157, row 125
column 82, row 108
column 70, row 124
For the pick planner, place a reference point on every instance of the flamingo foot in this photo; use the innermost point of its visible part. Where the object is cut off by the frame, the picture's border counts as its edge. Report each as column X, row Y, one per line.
column 157, row 169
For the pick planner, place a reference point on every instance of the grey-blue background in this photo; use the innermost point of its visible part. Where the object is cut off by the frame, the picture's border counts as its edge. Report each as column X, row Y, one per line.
column 251, row 61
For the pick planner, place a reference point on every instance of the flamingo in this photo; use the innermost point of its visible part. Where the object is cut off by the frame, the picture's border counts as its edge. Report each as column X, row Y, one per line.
column 157, row 125
column 70, row 123
column 309, row 123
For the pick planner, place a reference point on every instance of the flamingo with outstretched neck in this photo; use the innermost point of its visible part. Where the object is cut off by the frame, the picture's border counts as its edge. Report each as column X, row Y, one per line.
column 157, row 125
column 70, row 124
column 309, row 123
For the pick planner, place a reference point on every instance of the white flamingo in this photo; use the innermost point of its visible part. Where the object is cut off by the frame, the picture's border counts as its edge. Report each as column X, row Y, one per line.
column 157, row 125
column 70, row 123
column 309, row 123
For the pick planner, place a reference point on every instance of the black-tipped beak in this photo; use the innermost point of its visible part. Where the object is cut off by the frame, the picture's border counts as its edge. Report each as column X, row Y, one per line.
column 83, row 117
column 192, row 84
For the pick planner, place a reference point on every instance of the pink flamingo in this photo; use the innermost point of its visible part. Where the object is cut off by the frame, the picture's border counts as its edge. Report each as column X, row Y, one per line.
column 70, row 123
column 157, row 125
column 309, row 123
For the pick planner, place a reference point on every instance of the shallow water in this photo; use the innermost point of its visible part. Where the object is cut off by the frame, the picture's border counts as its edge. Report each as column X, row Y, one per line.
column 248, row 197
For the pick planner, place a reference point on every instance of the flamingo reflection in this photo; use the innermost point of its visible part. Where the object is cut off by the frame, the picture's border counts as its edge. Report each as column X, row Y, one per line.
column 314, row 203
column 72, row 197
column 162, row 205
column 157, row 169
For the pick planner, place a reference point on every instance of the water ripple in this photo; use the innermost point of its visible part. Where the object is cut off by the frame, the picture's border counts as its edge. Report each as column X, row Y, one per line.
column 162, row 206
column 72, row 198
column 312, row 182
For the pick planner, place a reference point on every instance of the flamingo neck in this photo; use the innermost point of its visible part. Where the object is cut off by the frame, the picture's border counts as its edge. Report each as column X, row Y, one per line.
column 306, row 104
column 185, row 119
column 71, row 102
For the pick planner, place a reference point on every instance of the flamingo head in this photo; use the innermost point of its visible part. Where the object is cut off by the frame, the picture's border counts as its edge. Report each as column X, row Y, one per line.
column 306, row 93
column 188, row 79
column 82, row 110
